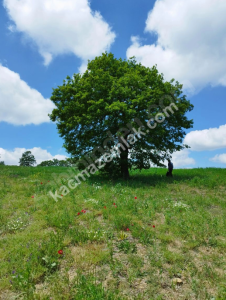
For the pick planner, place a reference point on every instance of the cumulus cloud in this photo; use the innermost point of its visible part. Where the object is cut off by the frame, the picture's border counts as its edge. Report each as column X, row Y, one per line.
column 207, row 139
column 13, row 157
column 190, row 44
column 20, row 104
column 59, row 27
column 181, row 159
column 219, row 158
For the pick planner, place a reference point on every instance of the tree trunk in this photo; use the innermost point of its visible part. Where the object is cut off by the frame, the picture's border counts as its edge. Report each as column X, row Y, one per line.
column 124, row 162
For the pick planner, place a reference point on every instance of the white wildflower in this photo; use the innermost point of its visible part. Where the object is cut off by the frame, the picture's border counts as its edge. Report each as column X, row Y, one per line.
column 91, row 200
column 180, row 205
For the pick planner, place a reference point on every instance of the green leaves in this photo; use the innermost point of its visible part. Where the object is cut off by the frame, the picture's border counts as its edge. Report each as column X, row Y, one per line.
column 109, row 96
column 27, row 159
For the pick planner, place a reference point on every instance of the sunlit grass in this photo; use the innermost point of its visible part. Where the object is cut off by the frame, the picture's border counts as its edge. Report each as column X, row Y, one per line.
column 119, row 239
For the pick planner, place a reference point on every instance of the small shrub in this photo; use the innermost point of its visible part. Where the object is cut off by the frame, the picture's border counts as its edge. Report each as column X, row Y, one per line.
column 127, row 247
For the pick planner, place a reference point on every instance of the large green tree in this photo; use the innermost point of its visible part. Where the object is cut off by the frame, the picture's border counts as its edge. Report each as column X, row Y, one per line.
column 108, row 103
column 27, row 159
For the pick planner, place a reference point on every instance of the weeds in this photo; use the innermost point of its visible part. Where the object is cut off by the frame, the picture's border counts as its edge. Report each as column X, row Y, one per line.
column 18, row 223
column 127, row 247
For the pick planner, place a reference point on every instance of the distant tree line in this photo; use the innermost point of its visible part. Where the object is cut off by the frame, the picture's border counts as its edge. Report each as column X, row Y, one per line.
column 56, row 163
column 28, row 160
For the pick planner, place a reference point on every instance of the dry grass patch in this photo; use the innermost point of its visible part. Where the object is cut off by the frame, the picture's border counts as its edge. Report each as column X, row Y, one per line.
column 159, row 219
column 88, row 255
column 9, row 295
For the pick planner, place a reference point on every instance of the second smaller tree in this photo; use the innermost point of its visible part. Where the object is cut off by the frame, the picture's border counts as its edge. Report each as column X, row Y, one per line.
column 2, row 162
column 27, row 159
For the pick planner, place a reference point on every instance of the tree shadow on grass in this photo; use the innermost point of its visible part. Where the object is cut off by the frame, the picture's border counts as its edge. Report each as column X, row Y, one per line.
column 138, row 179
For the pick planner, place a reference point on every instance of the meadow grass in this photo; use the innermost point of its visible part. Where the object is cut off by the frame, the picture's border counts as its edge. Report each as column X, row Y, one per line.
column 151, row 237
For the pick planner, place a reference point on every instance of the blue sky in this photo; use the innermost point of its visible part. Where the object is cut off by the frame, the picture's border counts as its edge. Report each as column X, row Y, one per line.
column 44, row 41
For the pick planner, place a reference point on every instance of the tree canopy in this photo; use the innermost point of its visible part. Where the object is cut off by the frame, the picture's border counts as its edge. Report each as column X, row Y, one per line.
column 27, row 159
column 111, row 103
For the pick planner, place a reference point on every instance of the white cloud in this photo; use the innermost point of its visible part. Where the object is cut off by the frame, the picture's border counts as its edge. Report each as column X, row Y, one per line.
column 207, row 139
column 190, row 45
column 59, row 27
column 20, row 104
column 219, row 158
column 13, row 157
column 181, row 159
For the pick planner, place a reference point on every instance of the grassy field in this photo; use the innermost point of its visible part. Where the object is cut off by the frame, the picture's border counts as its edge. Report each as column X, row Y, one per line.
column 152, row 237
